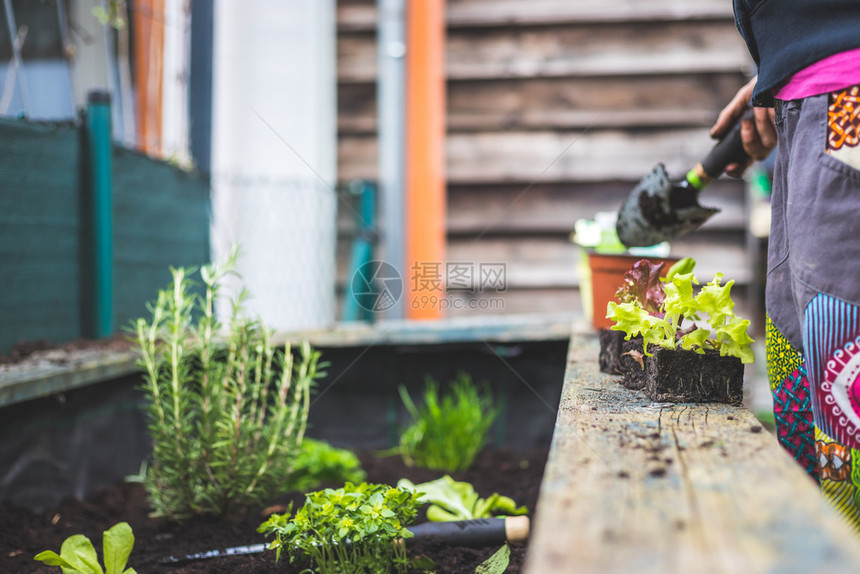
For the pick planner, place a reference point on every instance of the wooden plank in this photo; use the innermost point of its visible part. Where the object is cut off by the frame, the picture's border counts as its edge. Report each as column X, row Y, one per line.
column 514, row 302
column 611, row 50
column 540, row 103
column 554, row 208
column 551, row 262
column 505, row 209
column 557, row 156
column 492, row 13
column 636, row 487
column 50, row 372
column 494, row 328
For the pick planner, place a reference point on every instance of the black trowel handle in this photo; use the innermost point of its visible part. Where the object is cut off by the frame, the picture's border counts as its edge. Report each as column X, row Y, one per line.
column 728, row 150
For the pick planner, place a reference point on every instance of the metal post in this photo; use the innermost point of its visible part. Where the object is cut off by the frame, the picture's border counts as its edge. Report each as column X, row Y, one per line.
column 100, row 208
column 391, row 111
column 23, row 88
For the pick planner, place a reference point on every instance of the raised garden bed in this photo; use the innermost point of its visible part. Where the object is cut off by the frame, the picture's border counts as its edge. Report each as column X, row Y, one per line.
column 23, row 533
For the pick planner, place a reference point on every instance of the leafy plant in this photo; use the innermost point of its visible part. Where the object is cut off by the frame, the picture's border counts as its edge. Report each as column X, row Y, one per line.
column 319, row 462
column 677, row 317
column 449, row 430
column 453, row 500
column 77, row 555
column 226, row 417
column 497, row 563
column 354, row 529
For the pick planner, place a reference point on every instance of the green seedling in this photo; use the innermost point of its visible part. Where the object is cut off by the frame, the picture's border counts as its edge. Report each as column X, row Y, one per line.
column 453, row 500
column 497, row 563
column 447, row 431
column 226, row 415
column 78, row 556
column 354, row 529
column 668, row 313
column 319, row 462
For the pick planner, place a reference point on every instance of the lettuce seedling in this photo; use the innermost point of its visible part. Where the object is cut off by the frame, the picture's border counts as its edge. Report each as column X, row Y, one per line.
column 684, row 319
column 77, row 555
column 453, row 500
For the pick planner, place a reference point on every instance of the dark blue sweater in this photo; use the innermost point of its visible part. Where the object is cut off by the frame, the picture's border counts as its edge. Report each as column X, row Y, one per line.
column 786, row 36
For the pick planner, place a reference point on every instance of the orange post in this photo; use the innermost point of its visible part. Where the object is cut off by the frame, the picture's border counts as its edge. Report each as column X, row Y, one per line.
column 425, row 158
column 148, row 22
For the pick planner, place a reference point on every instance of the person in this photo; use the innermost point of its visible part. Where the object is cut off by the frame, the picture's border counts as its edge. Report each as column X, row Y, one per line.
column 807, row 98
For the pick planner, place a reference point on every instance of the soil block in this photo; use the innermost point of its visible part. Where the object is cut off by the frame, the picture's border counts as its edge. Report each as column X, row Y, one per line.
column 611, row 343
column 615, row 358
column 678, row 376
column 633, row 364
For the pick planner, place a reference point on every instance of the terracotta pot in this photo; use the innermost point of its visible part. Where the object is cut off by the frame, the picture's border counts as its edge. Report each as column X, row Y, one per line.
column 607, row 275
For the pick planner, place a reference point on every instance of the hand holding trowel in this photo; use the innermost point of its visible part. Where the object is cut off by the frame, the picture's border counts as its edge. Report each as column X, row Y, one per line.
column 659, row 209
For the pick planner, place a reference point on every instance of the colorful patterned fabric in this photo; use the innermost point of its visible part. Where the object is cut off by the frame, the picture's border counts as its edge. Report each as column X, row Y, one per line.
column 832, row 343
column 843, row 119
column 792, row 404
column 839, row 477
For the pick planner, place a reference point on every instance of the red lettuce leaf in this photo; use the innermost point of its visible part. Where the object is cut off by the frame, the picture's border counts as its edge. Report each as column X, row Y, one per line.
column 642, row 283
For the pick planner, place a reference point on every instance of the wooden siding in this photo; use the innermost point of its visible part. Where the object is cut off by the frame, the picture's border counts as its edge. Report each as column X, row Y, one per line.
column 555, row 109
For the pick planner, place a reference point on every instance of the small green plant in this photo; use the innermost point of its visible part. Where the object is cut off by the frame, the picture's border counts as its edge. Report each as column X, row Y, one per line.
column 453, row 500
column 667, row 313
column 447, row 431
column 226, row 416
column 497, row 563
column 77, row 555
column 319, row 462
column 354, row 529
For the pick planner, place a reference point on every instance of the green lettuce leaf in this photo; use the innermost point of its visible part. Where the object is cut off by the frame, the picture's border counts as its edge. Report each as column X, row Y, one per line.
column 452, row 500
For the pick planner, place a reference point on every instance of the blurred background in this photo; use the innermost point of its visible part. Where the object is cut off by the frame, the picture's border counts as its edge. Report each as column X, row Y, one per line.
column 459, row 142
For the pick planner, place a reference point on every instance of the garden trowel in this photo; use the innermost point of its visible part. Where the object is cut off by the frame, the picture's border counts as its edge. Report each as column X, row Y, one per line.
column 659, row 209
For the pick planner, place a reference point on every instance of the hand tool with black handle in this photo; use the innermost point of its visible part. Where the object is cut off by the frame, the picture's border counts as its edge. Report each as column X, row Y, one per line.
column 659, row 209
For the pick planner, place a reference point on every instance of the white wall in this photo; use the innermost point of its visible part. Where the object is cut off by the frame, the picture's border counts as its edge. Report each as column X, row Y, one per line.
column 274, row 155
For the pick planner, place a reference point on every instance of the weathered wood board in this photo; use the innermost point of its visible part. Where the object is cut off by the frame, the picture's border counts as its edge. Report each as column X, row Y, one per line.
column 637, row 487
column 361, row 15
column 555, row 108
column 637, row 101
column 576, row 50
column 546, row 156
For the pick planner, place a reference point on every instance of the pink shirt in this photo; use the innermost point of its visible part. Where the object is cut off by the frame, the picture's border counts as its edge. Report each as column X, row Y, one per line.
column 828, row 75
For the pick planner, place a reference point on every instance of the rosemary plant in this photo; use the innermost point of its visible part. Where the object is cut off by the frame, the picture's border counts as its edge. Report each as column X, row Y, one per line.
column 226, row 414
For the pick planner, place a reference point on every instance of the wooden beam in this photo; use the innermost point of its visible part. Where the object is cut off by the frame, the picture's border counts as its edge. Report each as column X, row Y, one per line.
column 632, row 486
column 576, row 50
column 553, row 208
column 572, row 103
column 502, row 13
column 545, row 157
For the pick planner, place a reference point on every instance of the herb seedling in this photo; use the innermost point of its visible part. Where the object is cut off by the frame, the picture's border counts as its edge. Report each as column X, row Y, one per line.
column 453, row 500
column 319, row 462
column 668, row 314
column 449, row 430
column 355, row 529
column 226, row 417
column 77, row 555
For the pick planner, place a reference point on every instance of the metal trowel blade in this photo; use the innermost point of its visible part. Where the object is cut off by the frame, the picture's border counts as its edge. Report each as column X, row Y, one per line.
column 657, row 211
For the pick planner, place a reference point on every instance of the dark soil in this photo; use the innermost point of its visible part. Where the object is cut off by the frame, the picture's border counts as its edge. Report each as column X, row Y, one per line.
column 675, row 376
column 24, row 534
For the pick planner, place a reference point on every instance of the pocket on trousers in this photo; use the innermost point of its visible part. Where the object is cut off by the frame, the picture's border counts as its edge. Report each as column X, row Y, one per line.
column 842, row 148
